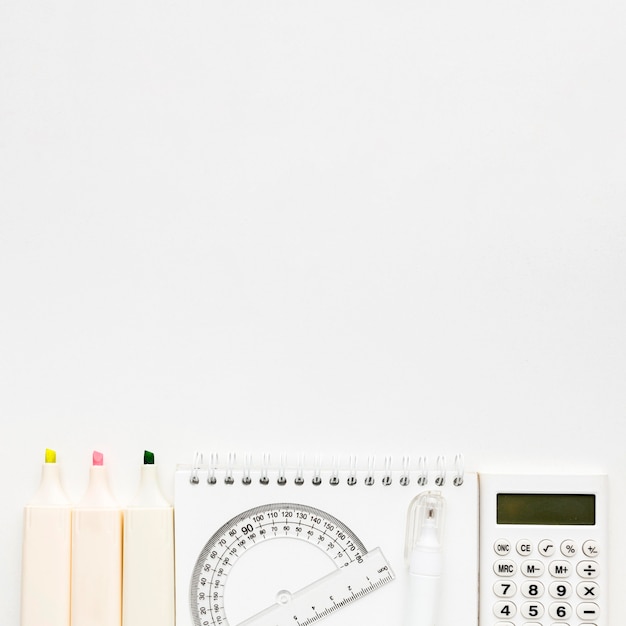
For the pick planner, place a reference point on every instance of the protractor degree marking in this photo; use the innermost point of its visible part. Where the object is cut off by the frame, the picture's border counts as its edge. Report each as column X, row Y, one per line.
column 268, row 522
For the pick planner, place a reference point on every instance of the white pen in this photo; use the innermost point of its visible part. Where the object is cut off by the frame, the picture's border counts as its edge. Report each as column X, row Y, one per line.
column 423, row 551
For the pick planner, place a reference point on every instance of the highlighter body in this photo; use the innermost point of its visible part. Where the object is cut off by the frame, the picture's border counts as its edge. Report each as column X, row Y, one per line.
column 97, row 556
column 46, row 555
column 148, row 585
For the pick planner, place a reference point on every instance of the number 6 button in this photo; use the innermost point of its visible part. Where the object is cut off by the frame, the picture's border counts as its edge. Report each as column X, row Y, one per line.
column 560, row 610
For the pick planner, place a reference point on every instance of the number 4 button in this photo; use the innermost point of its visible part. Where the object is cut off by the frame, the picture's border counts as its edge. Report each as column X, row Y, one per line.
column 504, row 610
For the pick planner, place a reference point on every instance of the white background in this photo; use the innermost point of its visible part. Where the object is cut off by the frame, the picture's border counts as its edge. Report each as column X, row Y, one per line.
column 331, row 226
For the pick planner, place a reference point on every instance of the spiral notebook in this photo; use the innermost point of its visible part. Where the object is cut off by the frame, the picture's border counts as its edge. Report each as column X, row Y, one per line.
column 293, row 543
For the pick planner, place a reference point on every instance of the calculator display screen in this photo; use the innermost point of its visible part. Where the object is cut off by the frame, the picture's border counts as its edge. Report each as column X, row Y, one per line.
column 552, row 509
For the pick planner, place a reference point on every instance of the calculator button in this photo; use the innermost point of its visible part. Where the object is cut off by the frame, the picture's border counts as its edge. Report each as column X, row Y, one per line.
column 560, row 589
column 588, row 590
column 591, row 549
column 546, row 547
column 504, row 588
column 532, row 610
column 502, row 547
column 504, row 567
column 532, row 589
column 588, row 610
column 532, row 569
column 560, row 569
column 568, row 548
column 560, row 610
column 504, row 609
column 524, row 547
column 587, row 569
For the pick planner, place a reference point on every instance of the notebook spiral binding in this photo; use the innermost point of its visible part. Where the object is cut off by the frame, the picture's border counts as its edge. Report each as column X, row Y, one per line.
column 408, row 472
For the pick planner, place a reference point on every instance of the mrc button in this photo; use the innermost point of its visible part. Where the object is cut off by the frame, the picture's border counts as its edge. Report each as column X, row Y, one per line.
column 505, row 567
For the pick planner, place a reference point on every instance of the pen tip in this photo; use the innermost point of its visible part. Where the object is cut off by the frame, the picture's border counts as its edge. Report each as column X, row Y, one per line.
column 148, row 457
column 98, row 458
column 51, row 456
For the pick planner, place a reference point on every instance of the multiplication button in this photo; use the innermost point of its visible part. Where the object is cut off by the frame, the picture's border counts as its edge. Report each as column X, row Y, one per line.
column 588, row 590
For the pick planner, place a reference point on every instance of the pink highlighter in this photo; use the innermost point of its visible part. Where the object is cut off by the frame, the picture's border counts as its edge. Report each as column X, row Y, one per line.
column 97, row 553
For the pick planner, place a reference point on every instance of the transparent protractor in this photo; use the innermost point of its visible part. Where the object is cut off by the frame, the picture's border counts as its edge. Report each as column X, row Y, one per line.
column 282, row 563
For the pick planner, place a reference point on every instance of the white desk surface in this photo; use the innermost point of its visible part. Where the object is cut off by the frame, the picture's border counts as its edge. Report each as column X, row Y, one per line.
column 338, row 227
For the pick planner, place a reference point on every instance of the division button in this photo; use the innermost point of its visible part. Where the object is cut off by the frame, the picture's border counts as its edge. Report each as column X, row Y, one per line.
column 587, row 569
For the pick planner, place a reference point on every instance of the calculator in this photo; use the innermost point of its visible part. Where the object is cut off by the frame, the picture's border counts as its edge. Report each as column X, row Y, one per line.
column 543, row 550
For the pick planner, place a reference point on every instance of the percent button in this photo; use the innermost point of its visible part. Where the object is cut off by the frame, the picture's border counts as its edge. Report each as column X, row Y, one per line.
column 568, row 548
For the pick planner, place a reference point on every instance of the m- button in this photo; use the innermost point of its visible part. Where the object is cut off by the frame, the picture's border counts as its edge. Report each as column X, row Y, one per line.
column 524, row 547
column 532, row 569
